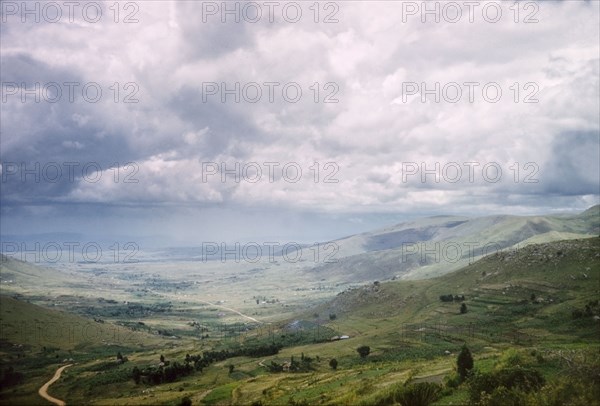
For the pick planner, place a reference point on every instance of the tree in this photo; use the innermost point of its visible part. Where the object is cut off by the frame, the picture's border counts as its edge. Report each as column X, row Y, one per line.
column 363, row 351
column 333, row 363
column 463, row 308
column 136, row 374
column 464, row 362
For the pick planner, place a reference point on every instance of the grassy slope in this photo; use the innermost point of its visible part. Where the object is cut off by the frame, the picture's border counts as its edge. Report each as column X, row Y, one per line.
column 383, row 254
column 35, row 340
column 388, row 318
column 407, row 327
column 28, row 278
column 31, row 326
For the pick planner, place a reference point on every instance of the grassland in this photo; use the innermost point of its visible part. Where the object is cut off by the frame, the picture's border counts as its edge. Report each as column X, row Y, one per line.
column 35, row 340
column 525, row 307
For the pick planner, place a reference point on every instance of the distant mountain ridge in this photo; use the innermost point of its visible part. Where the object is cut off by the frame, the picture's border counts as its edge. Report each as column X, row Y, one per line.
column 433, row 246
column 417, row 249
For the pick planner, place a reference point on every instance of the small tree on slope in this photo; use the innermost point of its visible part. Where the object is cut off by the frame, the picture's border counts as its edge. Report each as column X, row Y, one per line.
column 464, row 362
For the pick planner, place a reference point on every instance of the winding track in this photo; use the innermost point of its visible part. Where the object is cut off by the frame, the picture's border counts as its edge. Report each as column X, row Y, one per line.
column 220, row 306
column 43, row 392
column 232, row 310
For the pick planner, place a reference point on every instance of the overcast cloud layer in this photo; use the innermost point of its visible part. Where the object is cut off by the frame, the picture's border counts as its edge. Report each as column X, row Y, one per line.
column 371, row 145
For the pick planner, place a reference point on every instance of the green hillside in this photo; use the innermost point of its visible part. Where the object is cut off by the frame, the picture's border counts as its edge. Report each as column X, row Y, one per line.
column 531, row 315
column 560, row 275
column 533, row 311
column 35, row 340
column 28, row 278
column 529, row 301
column 30, row 326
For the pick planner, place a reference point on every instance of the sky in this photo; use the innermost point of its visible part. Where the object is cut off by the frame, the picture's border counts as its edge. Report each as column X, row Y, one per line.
column 182, row 122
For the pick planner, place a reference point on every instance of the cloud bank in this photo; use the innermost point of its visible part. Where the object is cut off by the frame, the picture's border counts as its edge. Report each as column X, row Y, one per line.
column 349, row 109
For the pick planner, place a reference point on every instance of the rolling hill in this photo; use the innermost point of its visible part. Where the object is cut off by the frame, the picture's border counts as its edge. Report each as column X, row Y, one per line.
column 562, row 275
column 26, row 325
column 535, row 308
column 26, row 277
column 433, row 246
column 35, row 341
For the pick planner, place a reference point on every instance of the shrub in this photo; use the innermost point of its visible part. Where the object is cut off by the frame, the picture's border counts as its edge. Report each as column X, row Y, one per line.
column 136, row 375
column 275, row 367
column 566, row 391
column 304, row 365
column 487, row 386
column 510, row 358
column 363, row 351
column 452, row 298
column 418, row 394
column 333, row 364
column 540, row 358
column 382, row 398
column 502, row 396
column 452, row 381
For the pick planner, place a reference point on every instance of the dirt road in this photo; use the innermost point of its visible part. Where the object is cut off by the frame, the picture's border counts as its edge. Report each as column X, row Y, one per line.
column 43, row 392
column 219, row 306
column 232, row 310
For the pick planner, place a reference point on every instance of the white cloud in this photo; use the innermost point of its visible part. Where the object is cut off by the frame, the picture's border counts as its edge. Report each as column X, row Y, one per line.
column 369, row 54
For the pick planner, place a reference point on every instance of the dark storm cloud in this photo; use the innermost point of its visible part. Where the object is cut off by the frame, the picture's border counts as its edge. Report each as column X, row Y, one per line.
column 573, row 166
column 47, row 145
column 369, row 133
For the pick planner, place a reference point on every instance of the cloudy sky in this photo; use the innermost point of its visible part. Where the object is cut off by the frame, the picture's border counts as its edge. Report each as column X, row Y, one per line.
column 191, row 121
